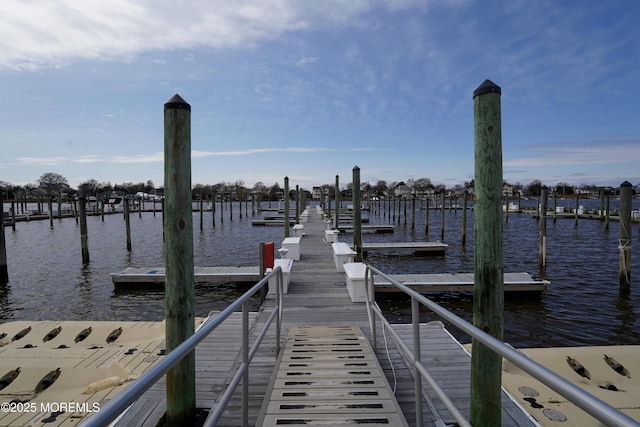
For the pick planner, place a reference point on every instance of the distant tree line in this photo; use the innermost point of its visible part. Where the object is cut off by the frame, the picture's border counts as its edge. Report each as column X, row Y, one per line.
column 50, row 184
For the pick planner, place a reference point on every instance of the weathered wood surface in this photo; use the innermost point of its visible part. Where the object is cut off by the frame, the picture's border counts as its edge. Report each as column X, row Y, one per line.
column 200, row 274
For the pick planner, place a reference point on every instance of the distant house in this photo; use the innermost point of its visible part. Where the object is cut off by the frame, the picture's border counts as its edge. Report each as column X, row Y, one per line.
column 401, row 189
column 507, row 190
column 316, row 193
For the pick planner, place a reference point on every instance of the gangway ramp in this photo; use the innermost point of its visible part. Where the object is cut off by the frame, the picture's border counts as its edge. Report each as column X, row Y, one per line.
column 329, row 375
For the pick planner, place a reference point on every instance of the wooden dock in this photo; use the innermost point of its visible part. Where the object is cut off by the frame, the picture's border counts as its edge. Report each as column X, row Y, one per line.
column 318, row 297
column 459, row 282
column 156, row 275
column 385, row 228
column 434, row 248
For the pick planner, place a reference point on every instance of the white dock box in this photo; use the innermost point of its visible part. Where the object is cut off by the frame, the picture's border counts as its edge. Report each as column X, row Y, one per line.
column 297, row 230
column 342, row 253
column 355, row 272
column 286, row 265
column 331, row 236
column 293, row 245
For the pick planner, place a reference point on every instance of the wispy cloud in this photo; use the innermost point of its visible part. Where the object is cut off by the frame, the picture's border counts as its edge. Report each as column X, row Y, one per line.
column 579, row 153
column 307, row 60
column 52, row 33
column 159, row 156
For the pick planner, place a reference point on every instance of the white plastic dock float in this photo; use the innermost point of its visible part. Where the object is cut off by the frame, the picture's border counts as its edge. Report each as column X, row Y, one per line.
column 286, row 265
column 342, row 253
column 293, row 245
column 331, row 236
column 355, row 272
column 298, row 230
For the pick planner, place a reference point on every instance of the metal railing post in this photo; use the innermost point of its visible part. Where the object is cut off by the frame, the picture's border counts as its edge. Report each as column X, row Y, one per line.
column 370, row 293
column 245, row 361
column 593, row 406
column 415, row 320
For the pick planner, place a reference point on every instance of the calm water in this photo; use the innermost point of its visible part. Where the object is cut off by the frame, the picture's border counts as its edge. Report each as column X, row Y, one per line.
column 582, row 306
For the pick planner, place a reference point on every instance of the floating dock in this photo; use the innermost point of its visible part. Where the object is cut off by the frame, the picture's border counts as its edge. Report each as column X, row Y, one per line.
column 318, row 297
column 156, row 275
column 377, row 228
column 63, row 371
column 608, row 372
column 434, row 248
column 459, row 282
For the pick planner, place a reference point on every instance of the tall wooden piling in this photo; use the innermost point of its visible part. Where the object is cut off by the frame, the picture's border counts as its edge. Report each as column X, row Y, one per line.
column 51, row 212
column 298, row 203
column 626, row 191
column 426, row 217
column 337, row 202
column 84, row 236
column 127, row 223
column 286, row 206
column 179, row 290
column 607, row 217
column 4, row 271
column 201, row 211
column 413, row 211
column 488, row 292
column 542, row 233
column 464, row 217
column 442, row 216
column 506, row 214
column 357, row 214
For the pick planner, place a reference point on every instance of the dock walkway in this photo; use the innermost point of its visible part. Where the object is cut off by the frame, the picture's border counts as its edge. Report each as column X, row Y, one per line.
column 318, row 296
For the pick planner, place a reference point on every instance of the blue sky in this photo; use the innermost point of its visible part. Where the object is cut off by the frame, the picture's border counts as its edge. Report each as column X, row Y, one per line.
column 311, row 89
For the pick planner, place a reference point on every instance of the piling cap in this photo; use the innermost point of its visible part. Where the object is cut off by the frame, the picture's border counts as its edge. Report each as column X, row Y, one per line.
column 487, row 87
column 176, row 102
column 626, row 184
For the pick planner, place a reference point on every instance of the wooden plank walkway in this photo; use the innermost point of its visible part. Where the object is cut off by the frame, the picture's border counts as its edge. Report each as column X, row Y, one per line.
column 459, row 282
column 156, row 275
column 317, row 297
column 329, row 375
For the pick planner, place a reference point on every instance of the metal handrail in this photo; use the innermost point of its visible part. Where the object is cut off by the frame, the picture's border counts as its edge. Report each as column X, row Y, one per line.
column 592, row 405
column 119, row 404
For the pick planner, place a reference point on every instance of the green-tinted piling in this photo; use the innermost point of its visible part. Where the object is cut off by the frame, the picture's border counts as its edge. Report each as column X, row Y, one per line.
column 179, row 289
column 488, row 292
